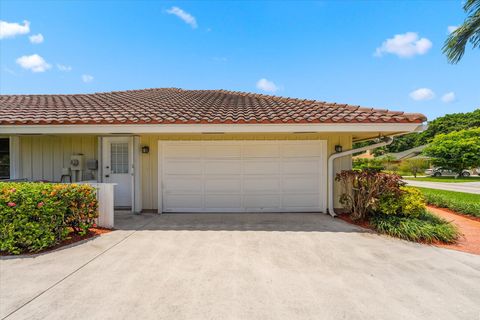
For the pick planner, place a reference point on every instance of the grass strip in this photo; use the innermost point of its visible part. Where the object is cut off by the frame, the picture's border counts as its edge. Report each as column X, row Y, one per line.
column 461, row 202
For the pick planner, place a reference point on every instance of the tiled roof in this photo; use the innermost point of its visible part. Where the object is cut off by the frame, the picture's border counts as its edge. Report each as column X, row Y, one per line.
column 166, row 106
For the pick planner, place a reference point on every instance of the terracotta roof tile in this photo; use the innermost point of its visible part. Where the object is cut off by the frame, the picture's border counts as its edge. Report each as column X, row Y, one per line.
column 171, row 105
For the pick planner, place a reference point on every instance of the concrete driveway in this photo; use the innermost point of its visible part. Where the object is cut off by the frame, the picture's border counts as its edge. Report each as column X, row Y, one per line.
column 468, row 187
column 241, row 266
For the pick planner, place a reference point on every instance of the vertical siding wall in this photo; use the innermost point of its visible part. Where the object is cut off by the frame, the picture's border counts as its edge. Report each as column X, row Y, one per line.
column 150, row 160
column 43, row 157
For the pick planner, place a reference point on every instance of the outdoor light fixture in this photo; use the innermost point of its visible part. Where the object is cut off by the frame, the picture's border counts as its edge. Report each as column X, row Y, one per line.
column 338, row 148
column 145, row 149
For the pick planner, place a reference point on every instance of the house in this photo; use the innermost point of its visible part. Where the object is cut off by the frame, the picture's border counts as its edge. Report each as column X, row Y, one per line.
column 365, row 155
column 174, row 150
column 413, row 153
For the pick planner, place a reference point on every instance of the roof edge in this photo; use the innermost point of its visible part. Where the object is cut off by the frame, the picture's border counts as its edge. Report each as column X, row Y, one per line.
column 132, row 129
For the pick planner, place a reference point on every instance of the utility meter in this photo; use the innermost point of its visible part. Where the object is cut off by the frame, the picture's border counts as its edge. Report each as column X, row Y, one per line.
column 76, row 162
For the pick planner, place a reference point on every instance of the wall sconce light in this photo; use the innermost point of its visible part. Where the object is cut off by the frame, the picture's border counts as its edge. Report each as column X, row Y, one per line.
column 338, row 148
column 145, row 149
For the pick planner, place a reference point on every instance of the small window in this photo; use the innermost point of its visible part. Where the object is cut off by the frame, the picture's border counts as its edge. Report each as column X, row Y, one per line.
column 119, row 157
column 4, row 158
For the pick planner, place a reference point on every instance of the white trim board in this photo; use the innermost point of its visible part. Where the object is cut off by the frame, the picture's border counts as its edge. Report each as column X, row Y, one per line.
column 208, row 128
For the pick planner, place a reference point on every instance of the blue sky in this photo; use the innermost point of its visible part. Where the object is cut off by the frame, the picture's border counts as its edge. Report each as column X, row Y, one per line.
column 372, row 53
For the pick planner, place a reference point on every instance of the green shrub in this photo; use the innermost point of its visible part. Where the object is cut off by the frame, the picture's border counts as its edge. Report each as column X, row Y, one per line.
column 372, row 164
column 426, row 227
column 410, row 202
column 362, row 189
column 465, row 203
column 35, row 216
column 80, row 203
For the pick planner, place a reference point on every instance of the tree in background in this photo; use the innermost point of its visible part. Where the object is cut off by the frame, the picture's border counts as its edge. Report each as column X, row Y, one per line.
column 457, row 151
column 372, row 164
column 446, row 124
column 414, row 165
column 469, row 31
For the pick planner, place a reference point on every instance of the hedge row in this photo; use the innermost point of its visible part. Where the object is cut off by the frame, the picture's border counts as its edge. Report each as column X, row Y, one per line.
column 35, row 216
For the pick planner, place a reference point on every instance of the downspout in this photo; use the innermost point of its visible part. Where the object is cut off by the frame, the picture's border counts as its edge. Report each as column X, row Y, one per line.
column 334, row 156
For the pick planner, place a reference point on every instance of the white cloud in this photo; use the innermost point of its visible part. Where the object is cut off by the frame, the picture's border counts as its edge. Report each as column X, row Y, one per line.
column 35, row 63
column 185, row 16
column 11, row 29
column 266, row 85
column 404, row 45
column 450, row 29
column 87, row 78
column 448, row 97
column 422, row 94
column 63, row 67
column 36, row 38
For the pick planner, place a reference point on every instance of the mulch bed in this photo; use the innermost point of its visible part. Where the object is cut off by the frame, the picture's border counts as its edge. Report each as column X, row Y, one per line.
column 71, row 238
column 469, row 227
column 346, row 217
column 454, row 212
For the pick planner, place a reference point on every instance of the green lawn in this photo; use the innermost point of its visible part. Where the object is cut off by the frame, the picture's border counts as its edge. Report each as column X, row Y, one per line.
column 445, row 179
column 465, row 203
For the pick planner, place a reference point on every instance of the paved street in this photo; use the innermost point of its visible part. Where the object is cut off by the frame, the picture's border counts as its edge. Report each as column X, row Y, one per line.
column 468, row 187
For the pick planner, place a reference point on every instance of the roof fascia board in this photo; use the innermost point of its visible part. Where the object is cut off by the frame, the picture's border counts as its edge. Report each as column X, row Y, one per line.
column 207, row 128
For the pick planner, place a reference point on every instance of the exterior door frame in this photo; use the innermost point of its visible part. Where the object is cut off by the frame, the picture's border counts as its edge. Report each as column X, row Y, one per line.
column 132, row 163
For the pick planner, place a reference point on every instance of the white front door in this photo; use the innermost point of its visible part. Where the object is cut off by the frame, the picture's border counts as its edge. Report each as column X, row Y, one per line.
column 243, row 176
column 118, row 168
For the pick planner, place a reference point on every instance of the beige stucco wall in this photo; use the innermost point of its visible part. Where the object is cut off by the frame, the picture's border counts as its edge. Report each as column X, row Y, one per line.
column 43, row 157
column 150, row 160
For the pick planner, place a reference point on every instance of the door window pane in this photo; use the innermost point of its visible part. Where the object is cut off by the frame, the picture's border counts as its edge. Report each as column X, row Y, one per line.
column 119, row 157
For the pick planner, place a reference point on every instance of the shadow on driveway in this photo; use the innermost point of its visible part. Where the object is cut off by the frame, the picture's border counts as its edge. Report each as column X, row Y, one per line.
column 280, row 222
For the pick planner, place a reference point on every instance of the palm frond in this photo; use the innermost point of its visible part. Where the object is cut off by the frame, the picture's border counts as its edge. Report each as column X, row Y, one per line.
column 468, row 32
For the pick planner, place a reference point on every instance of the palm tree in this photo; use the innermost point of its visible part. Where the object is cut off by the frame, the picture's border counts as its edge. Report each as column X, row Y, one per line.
column 469, row 31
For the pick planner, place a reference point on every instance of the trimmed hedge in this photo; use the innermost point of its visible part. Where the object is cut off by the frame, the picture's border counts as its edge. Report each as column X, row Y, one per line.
column 36, row 216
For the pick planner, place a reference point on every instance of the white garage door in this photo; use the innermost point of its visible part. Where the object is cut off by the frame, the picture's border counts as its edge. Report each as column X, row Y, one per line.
column 243, row 176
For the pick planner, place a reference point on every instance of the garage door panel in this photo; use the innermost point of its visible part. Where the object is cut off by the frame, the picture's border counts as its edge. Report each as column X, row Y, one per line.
column 300, row 184
column 254, row 184
column 262, row 202
column 223, row 151
column 183, row 184
column 219, row 201
column 223, row 167
column 301, row 166
column 263, row 166
column 183, row 167
column 182, row 151
column 182, row 202
column 301, row 201
column 223, row 185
